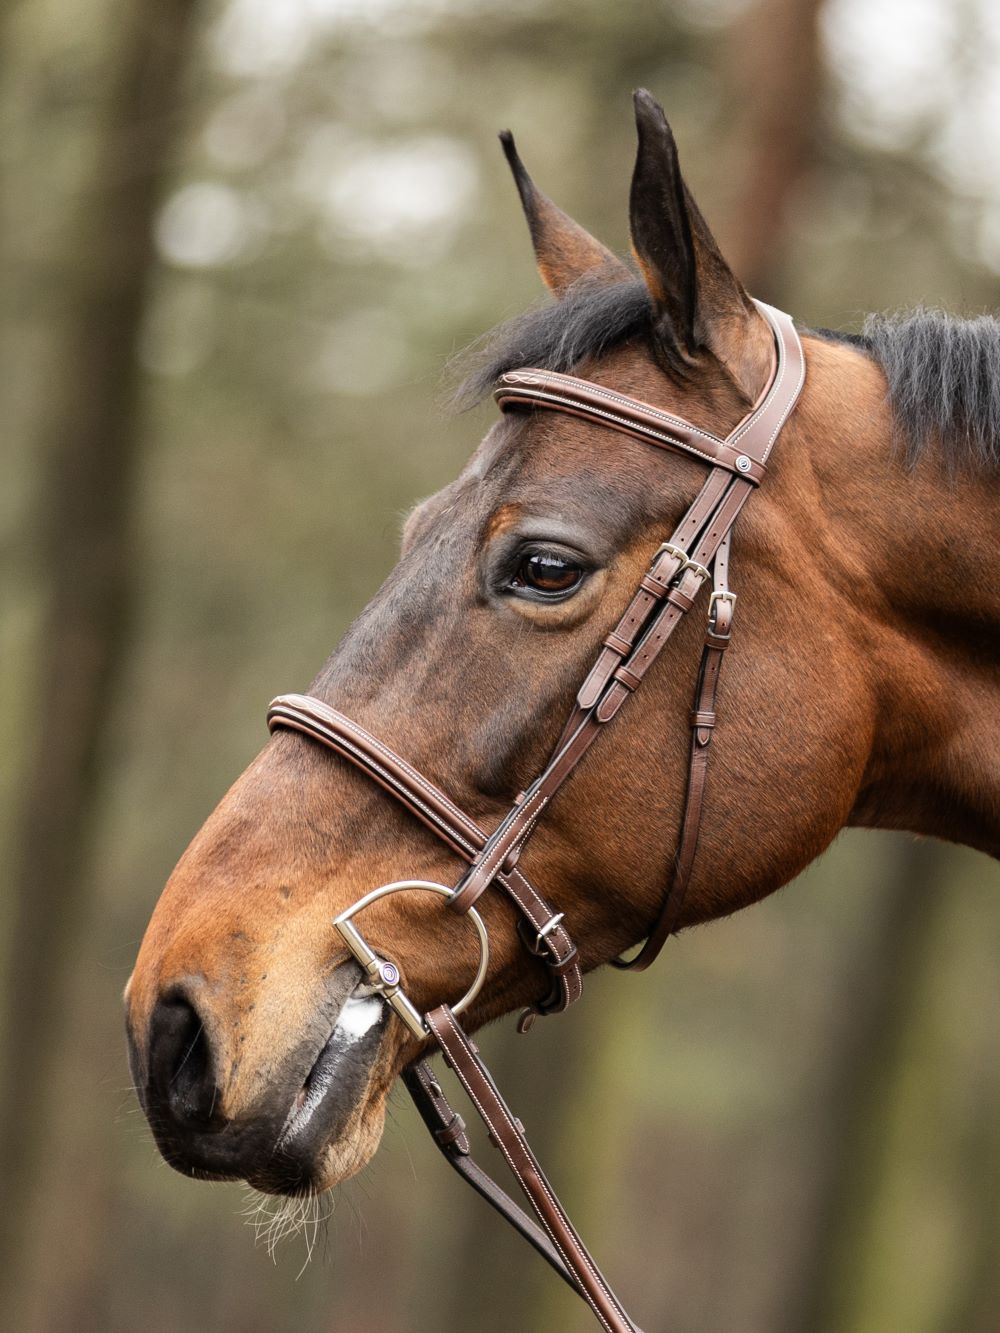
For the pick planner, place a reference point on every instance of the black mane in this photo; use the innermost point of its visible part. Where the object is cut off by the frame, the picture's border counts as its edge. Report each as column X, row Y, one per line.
column 591, row 319
column 944, row 381
column 943, row 371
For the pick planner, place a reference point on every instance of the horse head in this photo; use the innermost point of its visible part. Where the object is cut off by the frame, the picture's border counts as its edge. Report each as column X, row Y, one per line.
column 258, row 1046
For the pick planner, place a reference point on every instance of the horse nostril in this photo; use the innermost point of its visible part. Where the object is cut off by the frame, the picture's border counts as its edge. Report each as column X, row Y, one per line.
column 181, row 1070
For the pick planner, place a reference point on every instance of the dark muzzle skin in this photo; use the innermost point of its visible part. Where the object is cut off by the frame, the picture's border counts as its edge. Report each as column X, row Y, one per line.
column 276, row 1141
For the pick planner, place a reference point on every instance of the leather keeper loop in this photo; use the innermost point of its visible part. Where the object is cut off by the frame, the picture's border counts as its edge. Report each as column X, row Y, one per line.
column 628, row 678
column 560, row 968
column 450, row 1134
column 548, row 952
column 511, row 859
column 654, row 587
column 699, row 719
column 680, row 599
column 618, row 644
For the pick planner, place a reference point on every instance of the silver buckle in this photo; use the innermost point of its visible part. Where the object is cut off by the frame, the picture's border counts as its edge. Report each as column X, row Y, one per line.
column 713, row 601
column 383, row 976
column 670, row 549
column 725, row 596
column 547, row 929
column 680, row 554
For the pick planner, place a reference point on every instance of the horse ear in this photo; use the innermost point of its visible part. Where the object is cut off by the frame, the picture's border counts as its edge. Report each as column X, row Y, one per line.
column 696, row 295
column 564, row 251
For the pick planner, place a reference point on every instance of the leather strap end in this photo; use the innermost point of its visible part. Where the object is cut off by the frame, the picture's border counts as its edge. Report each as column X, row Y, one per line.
column 618, row 643
column 611, row 702
column 597, row 678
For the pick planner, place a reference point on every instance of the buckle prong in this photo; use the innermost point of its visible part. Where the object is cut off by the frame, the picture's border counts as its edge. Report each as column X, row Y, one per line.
column 678, row 552
column 547, row 929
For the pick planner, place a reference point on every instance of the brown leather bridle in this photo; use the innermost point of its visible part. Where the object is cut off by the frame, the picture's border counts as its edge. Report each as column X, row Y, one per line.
column 697, row 552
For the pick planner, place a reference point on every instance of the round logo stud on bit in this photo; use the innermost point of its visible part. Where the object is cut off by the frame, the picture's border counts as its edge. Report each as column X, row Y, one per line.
column 388, row 974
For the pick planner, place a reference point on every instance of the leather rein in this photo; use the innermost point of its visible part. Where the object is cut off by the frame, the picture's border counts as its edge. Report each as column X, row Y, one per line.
column 697, row 553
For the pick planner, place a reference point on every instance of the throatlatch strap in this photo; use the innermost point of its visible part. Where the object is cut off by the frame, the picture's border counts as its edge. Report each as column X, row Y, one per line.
column 703, row 719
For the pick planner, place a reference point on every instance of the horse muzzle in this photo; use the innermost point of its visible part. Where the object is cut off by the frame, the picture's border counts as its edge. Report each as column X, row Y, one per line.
column 278, row 1125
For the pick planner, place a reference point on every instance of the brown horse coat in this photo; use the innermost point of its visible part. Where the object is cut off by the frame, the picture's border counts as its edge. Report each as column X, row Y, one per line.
column 861, row 688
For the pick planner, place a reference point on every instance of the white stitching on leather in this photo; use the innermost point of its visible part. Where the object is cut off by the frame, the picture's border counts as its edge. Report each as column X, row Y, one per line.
column 541, row 1180
column 470, row 1092
column 405, row 796
column 670, row 418
column 788, row 410
column 357, row 730
column 325, row 732
column 537, row 395
column 492, row 862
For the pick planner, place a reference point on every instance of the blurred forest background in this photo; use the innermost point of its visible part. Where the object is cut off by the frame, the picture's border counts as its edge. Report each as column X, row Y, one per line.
column 240, row 239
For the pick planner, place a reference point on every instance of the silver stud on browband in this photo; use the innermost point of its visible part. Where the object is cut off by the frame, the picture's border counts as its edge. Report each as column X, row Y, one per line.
column 743, row 464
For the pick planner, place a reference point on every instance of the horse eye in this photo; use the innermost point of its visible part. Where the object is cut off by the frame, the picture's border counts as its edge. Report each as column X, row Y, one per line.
column 548, row 574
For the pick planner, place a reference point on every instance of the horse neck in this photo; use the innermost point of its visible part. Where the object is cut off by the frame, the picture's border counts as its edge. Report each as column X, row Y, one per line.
column 915, row 554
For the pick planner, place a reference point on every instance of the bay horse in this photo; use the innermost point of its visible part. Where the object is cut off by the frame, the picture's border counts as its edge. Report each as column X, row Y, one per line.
column 860, row 689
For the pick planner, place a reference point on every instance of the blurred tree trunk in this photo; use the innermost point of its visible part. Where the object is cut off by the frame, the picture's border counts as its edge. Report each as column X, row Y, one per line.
column 774, row 65
column 89, row 569
column 878, row 997
column 977, row 1299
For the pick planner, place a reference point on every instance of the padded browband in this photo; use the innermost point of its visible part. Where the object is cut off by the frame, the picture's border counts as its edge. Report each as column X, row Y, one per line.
column 743, row 451
column 583, row 398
